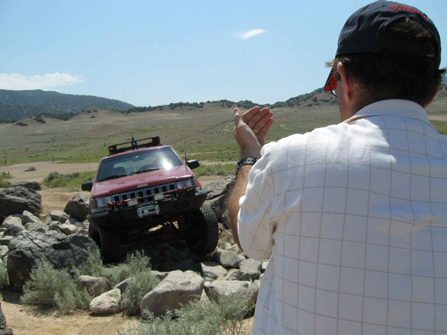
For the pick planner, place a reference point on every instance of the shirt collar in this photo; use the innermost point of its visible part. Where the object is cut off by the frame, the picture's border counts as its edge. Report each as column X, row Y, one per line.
column 396, row 107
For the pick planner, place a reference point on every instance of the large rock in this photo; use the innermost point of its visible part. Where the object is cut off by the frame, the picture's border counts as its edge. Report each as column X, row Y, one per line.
column 251, row 268
column 95, row 285
column 29, row 247
column 217, row 195
column 12, row 220
column 4, row 328
column 28, row 217
column 245, row 289
column 212, row 271
column 228, row 259
column 106, row 303
column 15, row 200
column 33, row 185
column 78, row 206
column 177, row 289
column 59, row 216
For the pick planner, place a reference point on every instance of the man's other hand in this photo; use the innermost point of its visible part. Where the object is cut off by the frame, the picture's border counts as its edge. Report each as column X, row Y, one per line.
column 250, row 130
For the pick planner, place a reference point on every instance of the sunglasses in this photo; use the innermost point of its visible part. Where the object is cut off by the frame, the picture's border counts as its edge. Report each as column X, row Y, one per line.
column 331, row 84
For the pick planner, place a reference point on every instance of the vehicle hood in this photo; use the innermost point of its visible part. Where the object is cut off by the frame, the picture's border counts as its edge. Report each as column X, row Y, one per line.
column 141, row 181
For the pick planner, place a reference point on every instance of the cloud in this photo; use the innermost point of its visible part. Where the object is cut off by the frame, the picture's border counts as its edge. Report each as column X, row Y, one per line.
column 250, row 33
column 15, row 81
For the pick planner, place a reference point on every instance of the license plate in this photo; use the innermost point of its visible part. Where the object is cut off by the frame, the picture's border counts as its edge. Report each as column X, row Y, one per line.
column 148, row 211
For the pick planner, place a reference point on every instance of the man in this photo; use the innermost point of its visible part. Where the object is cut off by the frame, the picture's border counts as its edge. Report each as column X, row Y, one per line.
column 354, row 215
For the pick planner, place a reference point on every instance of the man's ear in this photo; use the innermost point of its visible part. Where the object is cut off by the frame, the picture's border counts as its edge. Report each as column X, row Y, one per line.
column 346, row 82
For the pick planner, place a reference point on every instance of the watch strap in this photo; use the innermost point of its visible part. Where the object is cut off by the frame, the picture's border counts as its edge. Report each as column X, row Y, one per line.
column 245, row 161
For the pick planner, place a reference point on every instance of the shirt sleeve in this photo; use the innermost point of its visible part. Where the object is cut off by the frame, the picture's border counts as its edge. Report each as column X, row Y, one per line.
column 255, row 228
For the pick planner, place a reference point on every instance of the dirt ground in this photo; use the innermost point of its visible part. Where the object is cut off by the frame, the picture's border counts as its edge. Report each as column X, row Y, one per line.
column 30, row 320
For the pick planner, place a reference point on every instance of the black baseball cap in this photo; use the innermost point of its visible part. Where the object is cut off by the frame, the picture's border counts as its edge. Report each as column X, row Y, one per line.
column 365, row 31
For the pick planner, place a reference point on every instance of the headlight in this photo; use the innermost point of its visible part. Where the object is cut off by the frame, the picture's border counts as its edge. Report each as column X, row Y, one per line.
column 102, row 202
column 185, row 183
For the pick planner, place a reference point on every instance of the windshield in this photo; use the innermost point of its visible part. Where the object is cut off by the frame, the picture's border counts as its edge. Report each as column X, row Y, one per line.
column 137, row 162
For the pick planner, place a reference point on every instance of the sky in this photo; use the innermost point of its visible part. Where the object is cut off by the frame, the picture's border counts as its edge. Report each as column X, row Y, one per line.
column 150, row 53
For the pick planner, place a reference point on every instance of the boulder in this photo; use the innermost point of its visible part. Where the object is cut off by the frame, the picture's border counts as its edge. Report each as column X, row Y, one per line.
column 212, row 271
column 3, row 251
column 251, row 268
column 68, row 229
column 217, row 195
column 13, row 231
column 33, row 185
column 228, row 259
column 32, row 222
column 28, row 217
column 106, row 303
column 5, row 240
column 4, row 328
column 237, row 275
column 13, row 220
column 77, row 207
column 244, row 289
column 177, row 289
column 123, row 285
column 59, row 216
column 95, row 285
column 15, row 200
column 29, row 247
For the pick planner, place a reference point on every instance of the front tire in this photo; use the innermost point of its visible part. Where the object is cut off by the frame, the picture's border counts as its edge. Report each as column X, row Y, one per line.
column 108, row 243
column 203, row 232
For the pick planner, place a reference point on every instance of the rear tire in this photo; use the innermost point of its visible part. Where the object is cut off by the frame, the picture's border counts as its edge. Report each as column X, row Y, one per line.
column 203, row 232
column 108, row 243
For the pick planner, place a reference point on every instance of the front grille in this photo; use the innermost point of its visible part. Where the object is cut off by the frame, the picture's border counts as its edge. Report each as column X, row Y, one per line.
column 145, row 192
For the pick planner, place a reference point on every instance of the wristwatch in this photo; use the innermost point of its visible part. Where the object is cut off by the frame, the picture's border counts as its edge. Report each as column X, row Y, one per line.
column 245, row 161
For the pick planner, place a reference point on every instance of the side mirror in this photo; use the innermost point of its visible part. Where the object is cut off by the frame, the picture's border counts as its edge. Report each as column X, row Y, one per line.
column 87, row 186
column 194, row 163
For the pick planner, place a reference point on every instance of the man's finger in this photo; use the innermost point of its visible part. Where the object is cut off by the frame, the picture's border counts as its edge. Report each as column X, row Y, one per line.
column 237, row 117
column 249, row 114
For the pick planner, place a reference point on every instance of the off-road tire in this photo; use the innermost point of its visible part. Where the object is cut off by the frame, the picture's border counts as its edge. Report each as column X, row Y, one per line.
column 203, row 232
column 108, row 243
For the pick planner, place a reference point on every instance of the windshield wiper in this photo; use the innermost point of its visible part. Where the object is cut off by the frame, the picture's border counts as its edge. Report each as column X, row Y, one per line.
column 147, row 170
column 114, row 176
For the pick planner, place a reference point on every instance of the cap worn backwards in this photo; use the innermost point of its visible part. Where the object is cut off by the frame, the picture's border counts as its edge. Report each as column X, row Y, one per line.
column 365, row 31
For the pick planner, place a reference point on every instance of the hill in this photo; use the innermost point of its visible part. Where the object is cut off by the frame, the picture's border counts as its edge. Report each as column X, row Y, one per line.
column 16, row 105
column 313, row 99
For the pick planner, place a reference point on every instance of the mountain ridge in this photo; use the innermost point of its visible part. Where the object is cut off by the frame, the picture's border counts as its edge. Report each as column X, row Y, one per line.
column 16, row 105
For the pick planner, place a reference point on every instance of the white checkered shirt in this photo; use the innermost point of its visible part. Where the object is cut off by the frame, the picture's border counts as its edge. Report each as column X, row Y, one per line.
column 354, row 216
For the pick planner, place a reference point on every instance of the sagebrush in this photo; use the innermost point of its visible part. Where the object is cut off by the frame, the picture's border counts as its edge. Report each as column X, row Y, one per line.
column 58, row 287
column 222, row 317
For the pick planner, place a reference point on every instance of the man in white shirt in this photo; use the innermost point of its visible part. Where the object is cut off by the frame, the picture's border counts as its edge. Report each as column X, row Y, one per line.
column 354, row 215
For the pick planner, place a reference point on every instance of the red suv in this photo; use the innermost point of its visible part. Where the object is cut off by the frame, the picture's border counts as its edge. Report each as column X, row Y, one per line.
column 145, row 189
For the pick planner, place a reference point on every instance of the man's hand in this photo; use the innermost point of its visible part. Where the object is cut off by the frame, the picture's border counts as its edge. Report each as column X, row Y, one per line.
column 250, row 130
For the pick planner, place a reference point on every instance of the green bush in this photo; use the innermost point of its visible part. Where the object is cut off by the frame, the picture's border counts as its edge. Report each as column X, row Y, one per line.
column 142, row 283
column 4, row 183
column 54, row 287
column 133, row 264
column 3, row 276
column 57, row 288
column 223, row 317
column 71, row 181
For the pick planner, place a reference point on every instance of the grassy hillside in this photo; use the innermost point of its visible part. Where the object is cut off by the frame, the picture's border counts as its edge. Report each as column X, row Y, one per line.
column 202, row 132
column 16, row 105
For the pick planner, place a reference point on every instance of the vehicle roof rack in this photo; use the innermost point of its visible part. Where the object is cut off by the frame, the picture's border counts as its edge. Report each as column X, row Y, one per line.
column 134, row 145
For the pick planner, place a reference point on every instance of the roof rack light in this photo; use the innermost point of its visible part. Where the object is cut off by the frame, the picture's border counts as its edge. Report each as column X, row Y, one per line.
column 134, row 145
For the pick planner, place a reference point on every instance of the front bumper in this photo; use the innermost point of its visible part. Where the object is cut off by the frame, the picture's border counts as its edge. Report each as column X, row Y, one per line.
column 145, row 216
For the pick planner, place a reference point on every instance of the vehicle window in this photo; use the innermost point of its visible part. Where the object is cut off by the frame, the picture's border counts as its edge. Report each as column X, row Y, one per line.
column 137, row 162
